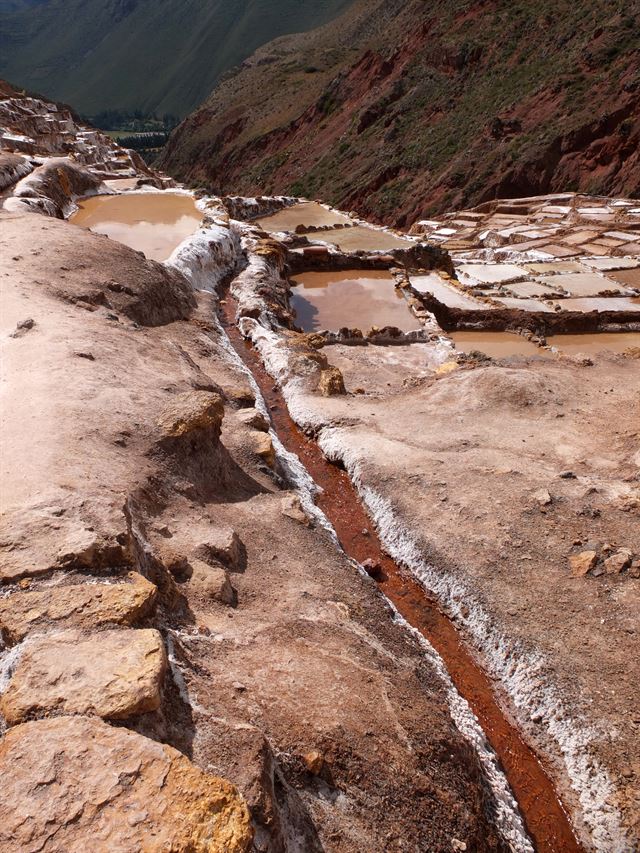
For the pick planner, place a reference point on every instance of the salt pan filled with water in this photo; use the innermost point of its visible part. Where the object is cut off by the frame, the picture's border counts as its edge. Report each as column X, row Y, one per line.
column 153, row 223
column 304, row 213
column 357, row 299
column 447, row 294
column 495, row 344
column 361, row 238
column 604, row 303
column 610, row 341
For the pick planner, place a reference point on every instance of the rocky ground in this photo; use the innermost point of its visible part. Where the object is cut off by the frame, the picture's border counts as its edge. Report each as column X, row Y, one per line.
column 170, row 617
column 173, row 605
column 510, row 488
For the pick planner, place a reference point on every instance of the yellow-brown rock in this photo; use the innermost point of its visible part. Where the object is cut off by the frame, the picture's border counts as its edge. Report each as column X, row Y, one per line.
column 192, row 412
column 83, row 605
column 112, row 674
column 78, row 784
column 582, row 563
column 263, row 447
column 331, row 382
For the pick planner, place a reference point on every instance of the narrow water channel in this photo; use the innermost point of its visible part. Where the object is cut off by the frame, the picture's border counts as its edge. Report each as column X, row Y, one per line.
column 545, row 818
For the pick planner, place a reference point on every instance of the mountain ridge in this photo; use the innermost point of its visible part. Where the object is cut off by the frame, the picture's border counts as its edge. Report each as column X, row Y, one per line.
column 416, row 108
column 157, row 56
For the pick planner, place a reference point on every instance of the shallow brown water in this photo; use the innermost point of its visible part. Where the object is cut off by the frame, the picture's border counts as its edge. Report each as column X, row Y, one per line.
column 361, row 238
column 305, row 213
column 627, row 278
column 122, row 183
column 357, row 299
column 611, row 341
column 543, row 813
column 153, row 223
column 495, row 344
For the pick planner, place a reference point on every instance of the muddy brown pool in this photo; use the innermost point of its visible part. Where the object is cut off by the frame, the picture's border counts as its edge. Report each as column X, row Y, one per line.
column 358, row 300
column 495, row 344
column 362, row 239
column 153, row 223
column 610, row 341
column 304, row 213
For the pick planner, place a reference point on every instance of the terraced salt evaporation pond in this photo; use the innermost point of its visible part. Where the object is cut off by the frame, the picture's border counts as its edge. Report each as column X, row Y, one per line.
column 357, row 299
column 308, row 213
column 356, row 238
column 447, row 294
column 601, row 342
column 495, row 344
column 152, row 223
column 363, row 239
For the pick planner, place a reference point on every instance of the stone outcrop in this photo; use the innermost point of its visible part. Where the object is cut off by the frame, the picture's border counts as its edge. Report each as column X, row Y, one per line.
column 191, row 413
column 31, row 126
column 121, row 280
column 52, row 188
column 12, row 168
column 79, row 605
column 212, row 582
column 74, row 783
column 115, row 675
column 331, row 382
column 58, row 533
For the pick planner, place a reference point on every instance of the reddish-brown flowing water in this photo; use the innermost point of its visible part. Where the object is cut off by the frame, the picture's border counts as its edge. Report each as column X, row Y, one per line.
column 545, row 818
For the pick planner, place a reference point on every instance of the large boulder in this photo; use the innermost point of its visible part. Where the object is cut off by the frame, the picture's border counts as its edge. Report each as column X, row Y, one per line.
column 193, row 412
column 78, row 784
column 52, row 187
column 113, row 674
column 81, row 605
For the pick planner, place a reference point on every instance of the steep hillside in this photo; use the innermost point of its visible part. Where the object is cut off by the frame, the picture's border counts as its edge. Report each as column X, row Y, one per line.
column 402, row 108
column 161, row 56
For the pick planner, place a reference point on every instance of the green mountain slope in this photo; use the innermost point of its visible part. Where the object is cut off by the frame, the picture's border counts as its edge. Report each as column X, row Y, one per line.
column 418, row 107
column 158, row 56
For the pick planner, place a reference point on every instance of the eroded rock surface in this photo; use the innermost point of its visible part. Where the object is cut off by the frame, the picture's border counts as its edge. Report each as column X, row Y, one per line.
column 80, row 605
column 504, row 484
column 113, row 674
column 128, row 465
column 75, row 784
